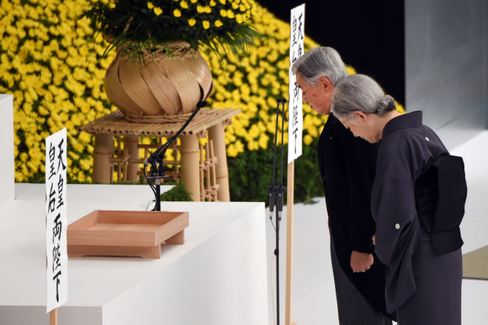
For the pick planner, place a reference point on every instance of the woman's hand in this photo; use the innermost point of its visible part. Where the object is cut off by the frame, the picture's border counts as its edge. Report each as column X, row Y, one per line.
column 374, row 240
column 361, row 262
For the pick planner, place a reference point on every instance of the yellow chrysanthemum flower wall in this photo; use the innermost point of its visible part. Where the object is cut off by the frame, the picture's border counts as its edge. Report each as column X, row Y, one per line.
column 51, row 61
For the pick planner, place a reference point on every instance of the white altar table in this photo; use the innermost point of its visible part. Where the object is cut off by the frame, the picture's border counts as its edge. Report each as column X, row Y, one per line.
column 219, row 276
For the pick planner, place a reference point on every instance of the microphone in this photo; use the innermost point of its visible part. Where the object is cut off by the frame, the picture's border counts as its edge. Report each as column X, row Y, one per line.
column 271, row 205
column 151, row 158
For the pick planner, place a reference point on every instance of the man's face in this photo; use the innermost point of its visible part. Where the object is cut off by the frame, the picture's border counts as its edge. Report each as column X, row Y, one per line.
column 320, row 97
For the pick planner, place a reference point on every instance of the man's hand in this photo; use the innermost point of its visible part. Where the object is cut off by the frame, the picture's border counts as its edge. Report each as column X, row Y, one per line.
column 361, row 262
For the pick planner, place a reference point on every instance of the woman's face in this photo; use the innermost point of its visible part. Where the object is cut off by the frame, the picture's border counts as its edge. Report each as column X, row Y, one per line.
column 363, row 126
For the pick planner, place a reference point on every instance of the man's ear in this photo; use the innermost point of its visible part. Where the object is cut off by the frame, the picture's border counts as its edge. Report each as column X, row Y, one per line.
column 327, row 84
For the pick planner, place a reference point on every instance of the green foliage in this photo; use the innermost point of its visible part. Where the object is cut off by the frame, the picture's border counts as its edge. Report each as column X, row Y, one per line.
column 308, row 182
column 177, row 193
column 251, row 172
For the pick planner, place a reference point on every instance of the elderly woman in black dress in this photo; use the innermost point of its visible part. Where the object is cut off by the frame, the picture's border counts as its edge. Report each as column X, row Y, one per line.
column 422, row 286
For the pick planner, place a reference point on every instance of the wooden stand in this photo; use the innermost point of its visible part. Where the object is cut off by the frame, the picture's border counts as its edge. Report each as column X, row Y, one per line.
column 125, row 233
column 207, row 120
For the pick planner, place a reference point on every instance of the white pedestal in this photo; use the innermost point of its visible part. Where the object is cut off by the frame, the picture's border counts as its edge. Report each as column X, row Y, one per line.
column 219, row 276
column 7, row 179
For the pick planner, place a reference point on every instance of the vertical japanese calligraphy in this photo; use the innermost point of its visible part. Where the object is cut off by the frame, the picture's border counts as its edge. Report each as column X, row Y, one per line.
column 56, row 221
column 295, row 115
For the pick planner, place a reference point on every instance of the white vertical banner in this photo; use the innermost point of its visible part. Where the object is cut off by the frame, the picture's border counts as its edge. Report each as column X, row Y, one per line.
column 56, row 221
column 295, row 115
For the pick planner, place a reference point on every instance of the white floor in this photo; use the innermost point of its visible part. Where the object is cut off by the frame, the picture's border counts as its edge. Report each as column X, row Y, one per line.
column 313, row 295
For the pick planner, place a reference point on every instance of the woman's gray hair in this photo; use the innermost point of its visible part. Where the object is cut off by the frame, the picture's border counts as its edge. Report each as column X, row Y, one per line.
column 320, row 62
column 358, row 92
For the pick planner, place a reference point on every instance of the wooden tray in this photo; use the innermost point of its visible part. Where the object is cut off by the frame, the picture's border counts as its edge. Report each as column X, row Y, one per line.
column 125, row 233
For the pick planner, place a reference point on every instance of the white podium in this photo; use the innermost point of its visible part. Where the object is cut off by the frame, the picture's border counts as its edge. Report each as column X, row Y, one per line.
column 219, row 275
column 7, row 166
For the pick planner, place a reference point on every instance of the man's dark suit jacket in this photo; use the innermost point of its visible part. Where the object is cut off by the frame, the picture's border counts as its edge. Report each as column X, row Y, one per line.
column 347, row 165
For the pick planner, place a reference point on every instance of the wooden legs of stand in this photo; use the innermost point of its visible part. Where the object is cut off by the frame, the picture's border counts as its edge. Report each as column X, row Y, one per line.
column 189, row 163
column 104, row 148
column 104, row 151
column 217, row 134
column 131, row 145
column 190, row 175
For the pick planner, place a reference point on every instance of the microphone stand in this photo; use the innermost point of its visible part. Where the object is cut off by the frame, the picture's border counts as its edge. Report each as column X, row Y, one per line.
column 156, row 160
column 276, row 191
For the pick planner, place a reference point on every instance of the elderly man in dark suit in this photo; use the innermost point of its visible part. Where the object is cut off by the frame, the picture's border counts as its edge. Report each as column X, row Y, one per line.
column 347, row 166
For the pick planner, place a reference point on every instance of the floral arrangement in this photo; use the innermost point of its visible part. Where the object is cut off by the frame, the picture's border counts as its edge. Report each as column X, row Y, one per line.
column 136, row 26
column 53, row 63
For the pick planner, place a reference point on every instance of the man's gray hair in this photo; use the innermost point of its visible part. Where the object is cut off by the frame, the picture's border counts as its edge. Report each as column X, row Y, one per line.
column 358, row 92
column 320, row 62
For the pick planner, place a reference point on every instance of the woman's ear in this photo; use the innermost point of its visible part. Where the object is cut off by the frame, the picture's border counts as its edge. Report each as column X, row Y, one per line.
column 360, row 117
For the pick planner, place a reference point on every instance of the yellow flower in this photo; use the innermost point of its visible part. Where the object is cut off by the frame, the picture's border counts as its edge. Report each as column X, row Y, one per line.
column 158, row 11
column 231, row 151
column 307, row 139
column 177, row 13
column 350, row 70
column 84, row 165
column 218, row 23
column 191, row 21
column 150, row 5
column 213, row 3
column 206, row 24
column 263, row 141
column 194, row 1
column 222, row 2
column 184, row 4
column 254, row 131
column 200, row 9
column 223, row 13
column 230, row 14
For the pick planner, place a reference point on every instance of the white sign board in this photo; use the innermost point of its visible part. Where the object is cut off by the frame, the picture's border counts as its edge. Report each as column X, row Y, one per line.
column 56, row 221
column 295, row 117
